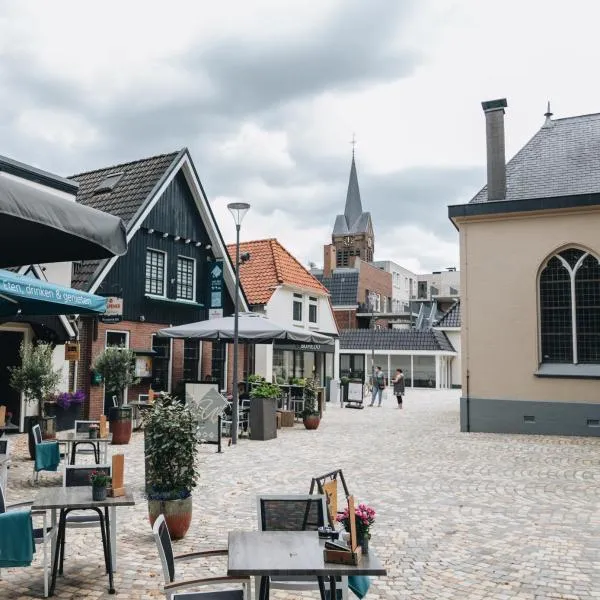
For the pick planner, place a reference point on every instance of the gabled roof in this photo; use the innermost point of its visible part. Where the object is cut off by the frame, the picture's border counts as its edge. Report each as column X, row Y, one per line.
column 271, row 265
column 354, row 220
column 451, row 318
column 562, row 159
column 342, row 285
column 394, row 339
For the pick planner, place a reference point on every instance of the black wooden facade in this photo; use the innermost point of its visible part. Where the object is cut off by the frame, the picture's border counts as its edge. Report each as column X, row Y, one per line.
column 176, row 215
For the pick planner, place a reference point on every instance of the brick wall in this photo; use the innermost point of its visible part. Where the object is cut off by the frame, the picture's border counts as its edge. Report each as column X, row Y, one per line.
column 373, row 279
column 345, row 318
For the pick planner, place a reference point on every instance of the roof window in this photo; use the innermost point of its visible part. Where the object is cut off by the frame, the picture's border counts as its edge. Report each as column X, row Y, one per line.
column 108, row 183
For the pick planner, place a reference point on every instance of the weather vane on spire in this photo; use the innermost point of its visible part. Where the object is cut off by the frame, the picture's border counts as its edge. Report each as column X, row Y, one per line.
column 353, row 142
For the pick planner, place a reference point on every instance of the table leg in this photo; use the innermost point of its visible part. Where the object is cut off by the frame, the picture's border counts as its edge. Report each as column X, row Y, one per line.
column 332, row 588
column 111, row 585
column 321, row 581
column 54, row 536
column 61, row 533
column 113, row 537
column 264, row 589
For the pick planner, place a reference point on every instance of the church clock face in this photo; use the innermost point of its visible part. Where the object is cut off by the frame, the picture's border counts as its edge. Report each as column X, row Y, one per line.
column 348, row 240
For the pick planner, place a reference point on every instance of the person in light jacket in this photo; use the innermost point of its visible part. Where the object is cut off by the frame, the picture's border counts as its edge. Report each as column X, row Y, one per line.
column 398, row 382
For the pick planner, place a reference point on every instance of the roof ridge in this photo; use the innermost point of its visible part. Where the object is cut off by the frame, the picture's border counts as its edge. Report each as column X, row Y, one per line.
column 584, row 116
column 128, row 163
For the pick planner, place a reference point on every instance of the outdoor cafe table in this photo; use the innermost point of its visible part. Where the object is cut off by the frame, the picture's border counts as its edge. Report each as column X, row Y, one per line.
column 64, row 499
column 71, row 439
column 290, row 553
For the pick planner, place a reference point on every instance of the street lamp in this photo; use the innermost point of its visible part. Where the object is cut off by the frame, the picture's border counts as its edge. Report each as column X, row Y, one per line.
column 238, row 210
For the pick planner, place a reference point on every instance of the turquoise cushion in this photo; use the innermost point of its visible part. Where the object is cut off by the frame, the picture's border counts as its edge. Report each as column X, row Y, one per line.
column 359, row 584
column 47, row 456
column 16, row 539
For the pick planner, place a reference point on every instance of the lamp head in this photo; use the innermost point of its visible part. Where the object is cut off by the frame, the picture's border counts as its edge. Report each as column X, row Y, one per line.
column 238, row 210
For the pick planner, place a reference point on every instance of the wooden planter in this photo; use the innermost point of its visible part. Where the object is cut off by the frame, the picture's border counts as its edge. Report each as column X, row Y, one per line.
column 178, row 515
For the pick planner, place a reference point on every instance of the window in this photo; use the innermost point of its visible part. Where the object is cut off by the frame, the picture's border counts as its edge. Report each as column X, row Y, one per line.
column 155, row 272
column 120, row 339
column 570, row 308
column 161, row 364
column 191, row 360
column 297, row 312
column 108, row 183
column 312, row 309
column 185, row 278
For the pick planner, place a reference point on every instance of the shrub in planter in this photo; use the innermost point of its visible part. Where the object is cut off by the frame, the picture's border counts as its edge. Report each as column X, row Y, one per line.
column 171, row 445
column 117, row 367
column 264, row 389
column 310, row 415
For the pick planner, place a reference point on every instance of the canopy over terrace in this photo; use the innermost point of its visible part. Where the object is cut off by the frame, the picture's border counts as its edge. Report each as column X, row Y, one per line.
column 253, row 327
column 37, row 225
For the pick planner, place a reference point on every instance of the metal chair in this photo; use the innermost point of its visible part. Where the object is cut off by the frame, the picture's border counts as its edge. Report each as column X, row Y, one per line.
column 168, row 560
column 41, row 535
column 4, row 462
column 305, row 512
column 83, row 427
column 37, row 438
column 77, row 476
column 328, row 486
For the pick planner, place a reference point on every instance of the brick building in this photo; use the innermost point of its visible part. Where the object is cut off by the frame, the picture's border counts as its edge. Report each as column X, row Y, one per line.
column 174, row 251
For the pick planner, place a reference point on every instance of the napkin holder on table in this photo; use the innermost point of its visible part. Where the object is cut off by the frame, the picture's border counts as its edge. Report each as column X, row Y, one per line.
column 353, row 555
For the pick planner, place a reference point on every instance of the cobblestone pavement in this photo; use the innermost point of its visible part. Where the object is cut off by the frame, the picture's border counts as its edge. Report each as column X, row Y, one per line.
column 459, row 515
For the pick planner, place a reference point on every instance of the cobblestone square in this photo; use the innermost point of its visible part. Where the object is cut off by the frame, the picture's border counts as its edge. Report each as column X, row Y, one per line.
column 459, row 515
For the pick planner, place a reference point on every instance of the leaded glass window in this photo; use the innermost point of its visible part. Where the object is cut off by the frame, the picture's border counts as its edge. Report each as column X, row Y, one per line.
column 185, row 278
column 155, row 272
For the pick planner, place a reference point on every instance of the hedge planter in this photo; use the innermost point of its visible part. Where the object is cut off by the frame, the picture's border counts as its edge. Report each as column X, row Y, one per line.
column 178, row 515
column 312, row 422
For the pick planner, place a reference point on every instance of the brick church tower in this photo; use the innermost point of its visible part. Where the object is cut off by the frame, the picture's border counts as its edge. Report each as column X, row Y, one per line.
column 353, row 232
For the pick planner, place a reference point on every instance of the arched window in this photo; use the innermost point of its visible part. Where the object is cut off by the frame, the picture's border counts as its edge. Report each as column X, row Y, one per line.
column 570, row 308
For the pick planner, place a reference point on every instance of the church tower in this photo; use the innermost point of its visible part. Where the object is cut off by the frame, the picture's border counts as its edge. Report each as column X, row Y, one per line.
column 353, row 232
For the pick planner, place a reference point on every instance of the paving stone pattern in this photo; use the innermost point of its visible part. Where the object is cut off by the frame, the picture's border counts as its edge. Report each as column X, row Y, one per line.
column 467, row 516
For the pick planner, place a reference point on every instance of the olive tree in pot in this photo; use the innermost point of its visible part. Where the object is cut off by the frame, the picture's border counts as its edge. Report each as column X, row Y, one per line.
column 37, row 379
column 310, row 415
column 117, row 367
column 171, row 446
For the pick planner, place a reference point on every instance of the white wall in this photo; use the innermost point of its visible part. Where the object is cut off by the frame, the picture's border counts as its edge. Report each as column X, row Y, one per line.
column 454, row 337
column 404, row 283
column 263, row 360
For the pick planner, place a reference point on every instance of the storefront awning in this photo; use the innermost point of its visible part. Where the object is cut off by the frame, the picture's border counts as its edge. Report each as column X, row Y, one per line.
column 37, row 226
column 21, row 295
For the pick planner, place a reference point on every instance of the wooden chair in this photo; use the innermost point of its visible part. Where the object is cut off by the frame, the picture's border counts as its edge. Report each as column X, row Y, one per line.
column 42, row 536
column 304, row 512
column 168, row 560
column 328, row 486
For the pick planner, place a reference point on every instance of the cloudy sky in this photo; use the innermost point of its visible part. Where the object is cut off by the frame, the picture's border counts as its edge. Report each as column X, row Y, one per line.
column 267, row 94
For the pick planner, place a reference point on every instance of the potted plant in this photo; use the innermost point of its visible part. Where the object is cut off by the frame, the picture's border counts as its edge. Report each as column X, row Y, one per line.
column 117, row 367
column 36, row 379
column 171, row 445
column 100, row 481
column 66, row 407
column 254, row 378
column 310, row 415
column 264, row 389
column 364, row 518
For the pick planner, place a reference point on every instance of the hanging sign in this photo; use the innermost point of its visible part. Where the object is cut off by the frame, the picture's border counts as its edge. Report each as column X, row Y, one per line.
column 72, row 351
column 114, row 310
column 216, row 285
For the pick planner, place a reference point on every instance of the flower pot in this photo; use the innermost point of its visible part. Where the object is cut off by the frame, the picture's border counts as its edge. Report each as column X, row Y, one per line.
column 363, row 542
column 94, row 434
column 120, row 424
column 99, row 493
column 178, row 515
column 311, row 422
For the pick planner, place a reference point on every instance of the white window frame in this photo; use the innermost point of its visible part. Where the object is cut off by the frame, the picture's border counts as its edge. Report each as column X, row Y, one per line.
column 166, row 268
column 313, row 301
column 194, row 281
column 120, row 331
column 298, row 298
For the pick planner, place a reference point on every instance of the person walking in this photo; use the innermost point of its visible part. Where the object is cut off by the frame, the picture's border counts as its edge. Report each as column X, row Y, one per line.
column 398, row 382
column 378, row 386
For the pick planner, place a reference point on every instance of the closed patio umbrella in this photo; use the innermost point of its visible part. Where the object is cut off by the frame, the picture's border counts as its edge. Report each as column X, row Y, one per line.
column 21, row 295
column 37, row 226
column 253, row 327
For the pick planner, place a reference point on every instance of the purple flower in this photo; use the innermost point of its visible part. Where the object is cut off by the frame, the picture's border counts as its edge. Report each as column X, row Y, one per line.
column 66, row 399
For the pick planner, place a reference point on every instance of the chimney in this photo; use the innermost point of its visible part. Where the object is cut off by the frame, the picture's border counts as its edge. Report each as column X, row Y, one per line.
column 328, row 259
column 496, row 160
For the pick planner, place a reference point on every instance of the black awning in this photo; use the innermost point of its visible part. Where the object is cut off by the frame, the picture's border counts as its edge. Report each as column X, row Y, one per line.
column 38, row 226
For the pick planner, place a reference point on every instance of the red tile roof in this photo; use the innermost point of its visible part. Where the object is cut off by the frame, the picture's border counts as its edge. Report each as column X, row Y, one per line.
column 271, row 265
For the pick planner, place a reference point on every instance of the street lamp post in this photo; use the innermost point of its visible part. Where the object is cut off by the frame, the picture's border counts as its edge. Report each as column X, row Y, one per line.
column 238, row 211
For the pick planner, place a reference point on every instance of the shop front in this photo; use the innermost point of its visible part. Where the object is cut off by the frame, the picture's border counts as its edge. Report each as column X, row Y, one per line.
column 292, row 361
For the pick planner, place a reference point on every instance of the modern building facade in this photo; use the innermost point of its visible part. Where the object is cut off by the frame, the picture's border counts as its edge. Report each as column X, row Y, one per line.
column 404, row 284
column 531, row 354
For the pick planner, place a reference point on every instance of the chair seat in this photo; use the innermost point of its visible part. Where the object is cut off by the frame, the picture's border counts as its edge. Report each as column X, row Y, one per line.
column 211, row 595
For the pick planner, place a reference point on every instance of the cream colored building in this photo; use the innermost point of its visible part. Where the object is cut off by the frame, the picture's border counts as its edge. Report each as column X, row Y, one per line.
column 530, row 283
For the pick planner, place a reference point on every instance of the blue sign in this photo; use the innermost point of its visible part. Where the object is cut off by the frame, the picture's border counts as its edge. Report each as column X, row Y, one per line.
column 216, row 285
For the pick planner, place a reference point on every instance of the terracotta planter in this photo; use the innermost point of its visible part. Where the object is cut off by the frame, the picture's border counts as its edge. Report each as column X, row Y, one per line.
column 120, row 424
column 178, row 515
column 312, row 422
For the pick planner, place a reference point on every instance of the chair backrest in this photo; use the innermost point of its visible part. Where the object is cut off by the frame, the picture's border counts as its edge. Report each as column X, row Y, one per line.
column 2, row 501
column 3, row 446
column 304, row 512
column 162, row 537
column 84, row 426
column 327, row 485
column 79, row 475
column 37, row 434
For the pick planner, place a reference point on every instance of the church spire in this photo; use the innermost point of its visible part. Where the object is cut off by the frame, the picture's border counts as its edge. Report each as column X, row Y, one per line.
column 353, row 209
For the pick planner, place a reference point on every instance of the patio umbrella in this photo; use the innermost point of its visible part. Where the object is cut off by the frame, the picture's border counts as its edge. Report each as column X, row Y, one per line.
column 253, row 327
column 39, row 226
column 21, row 295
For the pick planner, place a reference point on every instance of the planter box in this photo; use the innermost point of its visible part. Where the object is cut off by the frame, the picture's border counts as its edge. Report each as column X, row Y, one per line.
column 65, row 418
